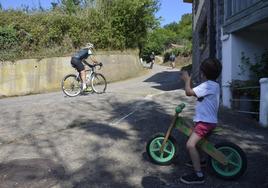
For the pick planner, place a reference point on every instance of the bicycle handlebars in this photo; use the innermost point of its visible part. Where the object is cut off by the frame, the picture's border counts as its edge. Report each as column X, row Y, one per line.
column 179, row 108
column 93, row 65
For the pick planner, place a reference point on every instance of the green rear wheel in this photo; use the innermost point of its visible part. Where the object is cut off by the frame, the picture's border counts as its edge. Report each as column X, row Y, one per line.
column 237, row 162
column 169, row 153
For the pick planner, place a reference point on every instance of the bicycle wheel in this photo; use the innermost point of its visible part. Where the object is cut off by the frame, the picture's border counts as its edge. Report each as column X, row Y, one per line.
column 237, row 162
column 169, row 153
column 98, row 83
column 71, row 85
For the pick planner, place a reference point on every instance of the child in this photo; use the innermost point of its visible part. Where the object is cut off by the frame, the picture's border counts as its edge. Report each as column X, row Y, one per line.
column 206, row 109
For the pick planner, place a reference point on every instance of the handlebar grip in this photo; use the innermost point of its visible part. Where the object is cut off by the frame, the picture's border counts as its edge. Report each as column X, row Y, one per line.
column 180, row 107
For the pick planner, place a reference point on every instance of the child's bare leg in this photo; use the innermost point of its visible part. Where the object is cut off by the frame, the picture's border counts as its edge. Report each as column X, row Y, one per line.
column 191, row 146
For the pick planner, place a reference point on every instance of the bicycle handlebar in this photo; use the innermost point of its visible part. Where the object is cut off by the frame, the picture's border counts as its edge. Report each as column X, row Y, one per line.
column 99, row 64
column 93, row 65
column 180, row 107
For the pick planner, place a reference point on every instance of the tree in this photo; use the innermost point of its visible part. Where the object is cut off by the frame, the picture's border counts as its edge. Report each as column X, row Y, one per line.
column 179, row 33
column 70, row 6
column 185, row 27
column 133, row 19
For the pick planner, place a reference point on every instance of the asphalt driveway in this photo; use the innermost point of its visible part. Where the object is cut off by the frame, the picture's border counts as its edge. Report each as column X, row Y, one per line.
column 50, row 140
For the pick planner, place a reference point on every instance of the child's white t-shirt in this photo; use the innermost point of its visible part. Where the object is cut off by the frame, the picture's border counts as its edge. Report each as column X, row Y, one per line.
column 208, row 94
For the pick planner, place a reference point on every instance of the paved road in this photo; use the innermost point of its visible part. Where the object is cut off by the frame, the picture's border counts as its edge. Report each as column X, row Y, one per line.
column 50, row 140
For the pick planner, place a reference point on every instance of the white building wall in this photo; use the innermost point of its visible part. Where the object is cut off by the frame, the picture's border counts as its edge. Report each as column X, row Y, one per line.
column 264, row 102
column 249, row 42
column 226, row 69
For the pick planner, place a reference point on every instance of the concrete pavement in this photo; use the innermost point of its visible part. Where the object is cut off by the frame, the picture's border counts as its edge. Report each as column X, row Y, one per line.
column 50, row 140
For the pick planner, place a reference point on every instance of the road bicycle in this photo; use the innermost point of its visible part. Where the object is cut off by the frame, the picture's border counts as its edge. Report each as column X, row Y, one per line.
column 96, row 82
column 226, row 159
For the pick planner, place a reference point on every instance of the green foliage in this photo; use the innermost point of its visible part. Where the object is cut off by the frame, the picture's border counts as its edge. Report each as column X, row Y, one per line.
column 261, row 66
column 160, row 39
column 109, row 24
column 70, row 6
column 257, row 70
column 8, row 38
column 8, row 42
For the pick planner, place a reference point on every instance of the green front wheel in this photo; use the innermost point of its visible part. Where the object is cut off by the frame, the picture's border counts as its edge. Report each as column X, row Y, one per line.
column 169, row 153
column 237, row 162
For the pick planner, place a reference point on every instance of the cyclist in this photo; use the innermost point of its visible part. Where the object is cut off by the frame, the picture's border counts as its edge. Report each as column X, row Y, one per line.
column 78, row 58
column 152, row 59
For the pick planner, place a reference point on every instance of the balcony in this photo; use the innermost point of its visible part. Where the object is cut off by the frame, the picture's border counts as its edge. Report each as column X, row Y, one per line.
column 243, row 13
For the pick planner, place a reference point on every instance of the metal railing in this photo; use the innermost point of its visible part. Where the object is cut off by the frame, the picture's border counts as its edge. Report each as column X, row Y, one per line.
column 245, row 103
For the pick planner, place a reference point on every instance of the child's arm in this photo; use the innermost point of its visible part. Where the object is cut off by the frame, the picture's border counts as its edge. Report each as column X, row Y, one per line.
column 187, row 79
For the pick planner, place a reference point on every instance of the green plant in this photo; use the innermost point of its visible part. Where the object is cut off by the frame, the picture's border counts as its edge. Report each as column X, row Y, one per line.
column 260, row 68
column 117, row 25
column 160, row 39
column 249, row 88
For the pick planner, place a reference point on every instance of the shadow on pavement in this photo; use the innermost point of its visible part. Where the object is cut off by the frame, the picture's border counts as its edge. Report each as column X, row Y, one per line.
column 167, row 81
column 32, row 173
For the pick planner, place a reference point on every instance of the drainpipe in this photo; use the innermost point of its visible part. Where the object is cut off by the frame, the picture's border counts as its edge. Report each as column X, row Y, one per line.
column 226, row 72
column 263, row 118
column 212, row 28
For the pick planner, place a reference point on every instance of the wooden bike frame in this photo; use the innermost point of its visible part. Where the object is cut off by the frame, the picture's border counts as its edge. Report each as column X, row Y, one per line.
column 204, row 144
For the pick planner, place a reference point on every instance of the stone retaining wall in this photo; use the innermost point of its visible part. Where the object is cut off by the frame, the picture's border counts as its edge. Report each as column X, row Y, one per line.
column 38, row 76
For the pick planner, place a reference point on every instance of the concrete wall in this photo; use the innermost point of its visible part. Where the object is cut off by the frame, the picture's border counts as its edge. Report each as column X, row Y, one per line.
column 37, row 76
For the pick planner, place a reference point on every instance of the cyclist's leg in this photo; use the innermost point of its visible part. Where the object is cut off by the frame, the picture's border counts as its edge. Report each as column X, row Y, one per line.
column 78, row 65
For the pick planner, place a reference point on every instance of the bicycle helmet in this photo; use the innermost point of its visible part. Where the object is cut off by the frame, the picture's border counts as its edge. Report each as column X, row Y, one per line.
column 89, row 45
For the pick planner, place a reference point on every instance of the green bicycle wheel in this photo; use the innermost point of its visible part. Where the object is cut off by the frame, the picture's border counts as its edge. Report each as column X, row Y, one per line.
column 237, row 162
column 169, row 153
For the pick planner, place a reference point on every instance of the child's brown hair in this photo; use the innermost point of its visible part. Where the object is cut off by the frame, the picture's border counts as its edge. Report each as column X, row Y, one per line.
column 211, row 68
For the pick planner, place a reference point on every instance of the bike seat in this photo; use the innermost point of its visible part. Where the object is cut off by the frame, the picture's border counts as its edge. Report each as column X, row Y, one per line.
column 216, row 130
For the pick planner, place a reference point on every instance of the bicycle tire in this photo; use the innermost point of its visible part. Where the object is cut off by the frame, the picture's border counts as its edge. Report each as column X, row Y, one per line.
column 237, row 162
column 98, row 83
column 69, row 83
column 170, row 151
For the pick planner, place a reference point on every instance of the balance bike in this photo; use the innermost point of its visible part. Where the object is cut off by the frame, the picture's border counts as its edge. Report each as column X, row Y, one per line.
column 226, row 160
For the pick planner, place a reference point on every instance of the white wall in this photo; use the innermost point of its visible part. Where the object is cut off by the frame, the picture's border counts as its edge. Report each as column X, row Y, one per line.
column 226, row 69
column 249, row 42
column 264, row 102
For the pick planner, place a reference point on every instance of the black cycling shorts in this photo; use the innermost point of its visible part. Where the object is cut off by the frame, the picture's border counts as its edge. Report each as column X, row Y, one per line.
column 77, row 64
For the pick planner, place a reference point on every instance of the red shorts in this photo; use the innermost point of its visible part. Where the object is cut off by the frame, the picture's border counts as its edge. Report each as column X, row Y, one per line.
column 203, row 128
